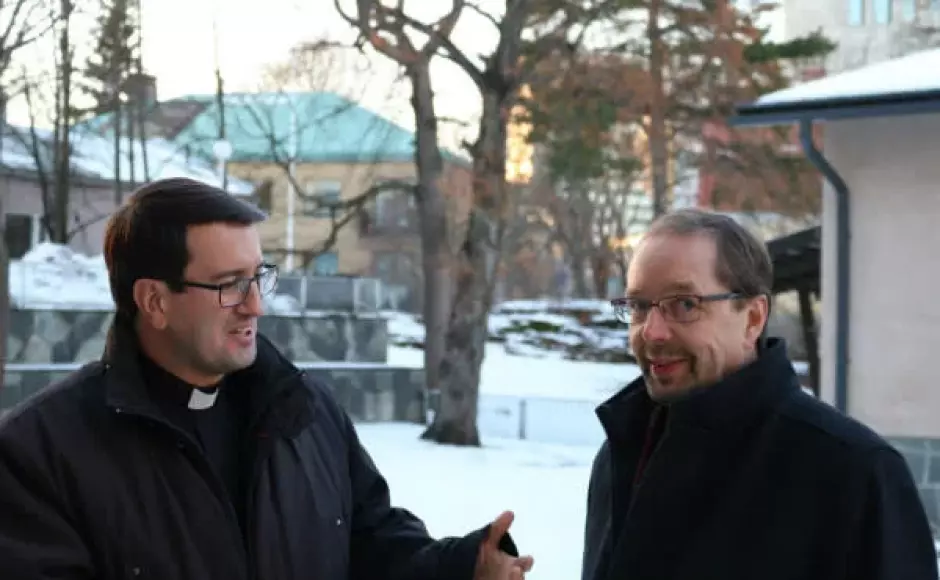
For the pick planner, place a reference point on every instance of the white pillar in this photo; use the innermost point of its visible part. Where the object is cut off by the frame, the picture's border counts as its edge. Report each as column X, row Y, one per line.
column 291, row 191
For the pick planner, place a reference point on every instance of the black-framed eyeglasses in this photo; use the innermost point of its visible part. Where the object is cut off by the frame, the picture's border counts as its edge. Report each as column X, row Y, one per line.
column 235, row 292
column 681, row 308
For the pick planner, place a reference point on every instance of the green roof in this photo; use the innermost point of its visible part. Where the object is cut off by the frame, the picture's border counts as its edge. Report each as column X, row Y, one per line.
column 329, row 128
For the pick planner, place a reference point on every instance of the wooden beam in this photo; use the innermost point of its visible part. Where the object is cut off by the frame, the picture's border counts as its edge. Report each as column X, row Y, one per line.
column 808, row 322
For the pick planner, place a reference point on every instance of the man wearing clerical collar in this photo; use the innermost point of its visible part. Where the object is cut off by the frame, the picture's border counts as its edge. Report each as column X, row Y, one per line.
column 194, row 450
column 717, row 466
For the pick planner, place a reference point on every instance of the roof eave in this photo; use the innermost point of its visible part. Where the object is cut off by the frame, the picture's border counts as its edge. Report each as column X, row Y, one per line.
column 836, row 109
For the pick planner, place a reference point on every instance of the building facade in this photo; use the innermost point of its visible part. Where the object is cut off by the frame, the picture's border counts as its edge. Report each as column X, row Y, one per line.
column 867, row 31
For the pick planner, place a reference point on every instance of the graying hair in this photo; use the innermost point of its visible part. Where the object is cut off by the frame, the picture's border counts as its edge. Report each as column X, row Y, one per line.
column 742, row 264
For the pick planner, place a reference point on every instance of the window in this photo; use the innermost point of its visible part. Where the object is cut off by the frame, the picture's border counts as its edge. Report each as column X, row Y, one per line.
column 908, row 10
column 395, row 210
column 23, row 232
column 320, row 195
column 856, row 12
column 882, row 9
column 326, row 264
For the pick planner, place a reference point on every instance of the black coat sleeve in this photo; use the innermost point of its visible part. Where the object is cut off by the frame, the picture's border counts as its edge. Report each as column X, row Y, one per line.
column 37, row 541
column 391, row 543
column 893, row 539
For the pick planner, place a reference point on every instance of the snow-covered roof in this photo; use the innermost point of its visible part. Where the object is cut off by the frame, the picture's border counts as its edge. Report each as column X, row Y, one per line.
column 93, row 156
column 906, row 84
column 915, row 73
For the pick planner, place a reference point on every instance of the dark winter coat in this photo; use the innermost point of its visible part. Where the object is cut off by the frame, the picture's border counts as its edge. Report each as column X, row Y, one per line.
column 750, row 479
column 95, row 483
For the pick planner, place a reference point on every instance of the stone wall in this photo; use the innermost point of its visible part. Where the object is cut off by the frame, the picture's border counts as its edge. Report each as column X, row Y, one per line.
column 923, row 457
column 368, row 392
column 65, row 336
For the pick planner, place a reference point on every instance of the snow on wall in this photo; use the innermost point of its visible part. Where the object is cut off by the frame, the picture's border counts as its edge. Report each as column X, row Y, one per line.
column 52, row 276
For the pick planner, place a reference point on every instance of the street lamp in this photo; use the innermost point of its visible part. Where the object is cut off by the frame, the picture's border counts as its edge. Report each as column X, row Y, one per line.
column 291, row 189
column 222, row 150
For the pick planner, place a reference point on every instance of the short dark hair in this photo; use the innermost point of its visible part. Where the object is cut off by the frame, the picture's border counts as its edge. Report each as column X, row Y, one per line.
column 146, row 236
column 742, row 264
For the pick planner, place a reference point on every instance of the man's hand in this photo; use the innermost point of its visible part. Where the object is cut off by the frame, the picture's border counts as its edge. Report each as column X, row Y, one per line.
column 493, row 563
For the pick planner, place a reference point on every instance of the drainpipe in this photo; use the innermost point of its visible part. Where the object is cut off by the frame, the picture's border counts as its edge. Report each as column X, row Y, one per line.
column 842, row 260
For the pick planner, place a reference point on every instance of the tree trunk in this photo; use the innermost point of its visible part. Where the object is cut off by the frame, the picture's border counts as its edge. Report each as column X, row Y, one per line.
column 118, row 185
column 478, row 261
column 432, row 209
column 601, row 273
column 657, row 134
column 4, row 299
column 131, row 141
column 578, row 272
column 60, row 215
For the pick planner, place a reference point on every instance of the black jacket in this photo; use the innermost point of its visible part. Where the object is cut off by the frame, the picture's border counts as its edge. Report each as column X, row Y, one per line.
column 751, row 479
column 95, row 483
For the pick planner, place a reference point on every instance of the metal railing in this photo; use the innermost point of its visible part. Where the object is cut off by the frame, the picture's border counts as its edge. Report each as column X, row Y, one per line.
column 35, row 285
column 538, row 419
column 344, row 293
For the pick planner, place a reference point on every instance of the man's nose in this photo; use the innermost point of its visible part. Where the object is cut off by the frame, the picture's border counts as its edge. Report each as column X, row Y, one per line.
column 253, row 304
column 655, row 327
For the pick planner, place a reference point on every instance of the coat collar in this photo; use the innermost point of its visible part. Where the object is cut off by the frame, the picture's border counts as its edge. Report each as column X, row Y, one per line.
column 731, row 405
column 275, row 384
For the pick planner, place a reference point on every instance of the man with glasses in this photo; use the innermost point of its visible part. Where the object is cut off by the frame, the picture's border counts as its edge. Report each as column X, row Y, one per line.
column 716, row 465
column 194, row 450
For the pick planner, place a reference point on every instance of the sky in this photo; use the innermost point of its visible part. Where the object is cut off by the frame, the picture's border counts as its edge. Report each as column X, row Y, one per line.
column 180, row 50
column 249, row 38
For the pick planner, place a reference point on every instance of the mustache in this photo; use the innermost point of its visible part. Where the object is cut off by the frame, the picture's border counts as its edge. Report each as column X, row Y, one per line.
column 662, row 351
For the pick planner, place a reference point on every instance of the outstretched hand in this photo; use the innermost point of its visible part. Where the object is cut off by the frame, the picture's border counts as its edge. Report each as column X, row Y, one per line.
column 493, row 563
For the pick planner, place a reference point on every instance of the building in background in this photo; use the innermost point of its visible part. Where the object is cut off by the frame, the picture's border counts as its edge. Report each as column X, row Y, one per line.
column 867, row 31
column 26, row 180
column 336, row 151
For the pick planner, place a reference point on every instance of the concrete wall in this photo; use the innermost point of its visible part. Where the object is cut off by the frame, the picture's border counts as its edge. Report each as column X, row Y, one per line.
column 63, row 336
column 891, row 169
column 368, row 392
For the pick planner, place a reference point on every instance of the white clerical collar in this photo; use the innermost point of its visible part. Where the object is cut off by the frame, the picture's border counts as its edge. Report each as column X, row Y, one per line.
column 200, row 400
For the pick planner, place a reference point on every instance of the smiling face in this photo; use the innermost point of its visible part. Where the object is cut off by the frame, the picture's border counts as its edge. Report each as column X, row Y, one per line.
column 195, row 337
column 678, row 357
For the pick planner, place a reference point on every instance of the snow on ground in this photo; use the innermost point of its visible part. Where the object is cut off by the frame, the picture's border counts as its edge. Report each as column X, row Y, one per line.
column 53, row 276
column 545, row 399
column 521, row 376
column 456, row 490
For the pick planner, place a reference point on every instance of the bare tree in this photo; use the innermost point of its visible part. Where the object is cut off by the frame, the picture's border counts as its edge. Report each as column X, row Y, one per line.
column 50, row 97
column 322, row 65
column 23, row 22
column 498, row 77
column 52, row 149
column 279, row 144
column 385, row 30
column 306, row 85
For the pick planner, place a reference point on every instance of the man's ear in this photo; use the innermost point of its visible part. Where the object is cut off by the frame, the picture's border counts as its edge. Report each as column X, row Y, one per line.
column 150, row 297
column 758, row 314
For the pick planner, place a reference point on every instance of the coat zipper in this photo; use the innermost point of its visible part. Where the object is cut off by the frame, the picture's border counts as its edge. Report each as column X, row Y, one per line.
column 647, row 462
column 187, row 445
column 262, row 449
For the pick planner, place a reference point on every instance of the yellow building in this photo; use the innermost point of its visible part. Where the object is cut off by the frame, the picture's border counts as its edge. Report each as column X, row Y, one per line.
column 335, row 150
